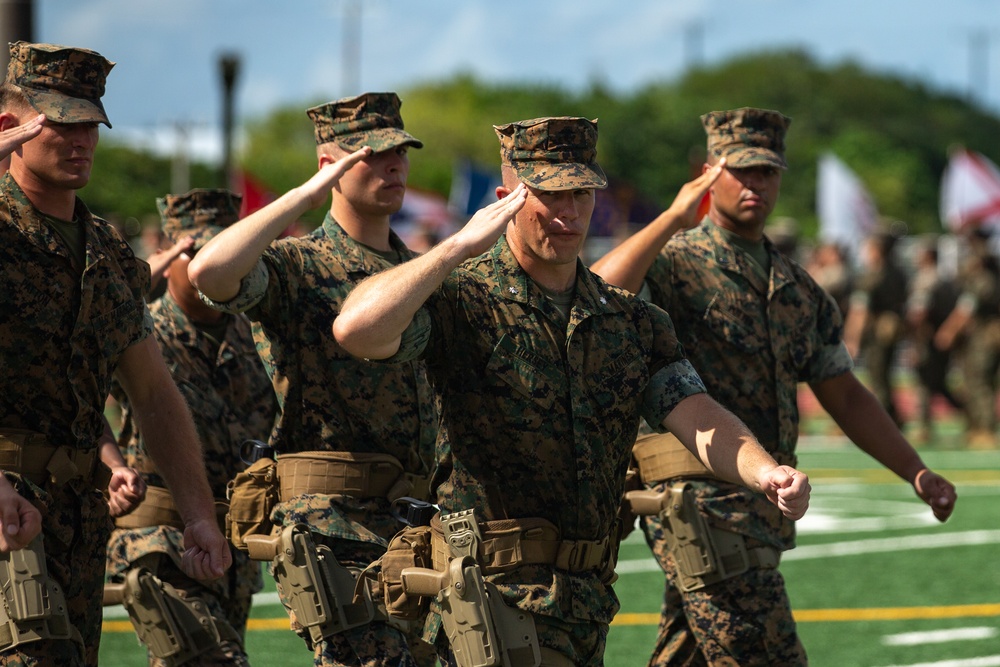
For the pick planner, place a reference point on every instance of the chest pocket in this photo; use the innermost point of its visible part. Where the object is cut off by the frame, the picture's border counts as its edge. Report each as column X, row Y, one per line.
column 618, row 380
column 525, row 385
column 732, row 320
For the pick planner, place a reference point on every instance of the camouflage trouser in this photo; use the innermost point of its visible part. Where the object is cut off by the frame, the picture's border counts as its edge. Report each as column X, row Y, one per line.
column 744, row 621
column 373, row 645
column 227, row 599
column 76, row 526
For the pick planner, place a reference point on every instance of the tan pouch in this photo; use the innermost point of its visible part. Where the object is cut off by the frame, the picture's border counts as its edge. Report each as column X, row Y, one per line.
column 252, row 495
column 411, row 547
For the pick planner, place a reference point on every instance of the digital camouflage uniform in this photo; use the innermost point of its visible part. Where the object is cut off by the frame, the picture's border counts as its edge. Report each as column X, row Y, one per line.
column 538, row 420
column 753, row 337
column 61, row 335
column 328, row 400
column 231, row 401
column 62, row 331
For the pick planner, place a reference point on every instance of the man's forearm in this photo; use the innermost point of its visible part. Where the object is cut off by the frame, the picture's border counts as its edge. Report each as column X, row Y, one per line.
column 720, row 440
column 379, row 309
column 225, row 260
column 172, row 442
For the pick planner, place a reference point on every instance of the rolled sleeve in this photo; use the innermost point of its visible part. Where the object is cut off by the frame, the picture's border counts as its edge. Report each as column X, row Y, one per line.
column 253, row 287
column 831, row 361
column 668, row 387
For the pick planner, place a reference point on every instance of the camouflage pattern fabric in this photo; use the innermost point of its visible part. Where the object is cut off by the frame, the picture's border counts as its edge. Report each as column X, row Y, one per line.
column 747, row 137
column 744, row 621
column 61, row 335
column 371, row 119
column 553, row 153
column 231, row 401
column 331, row 401
column 224, row 385
column 200, row 213
column 753, row 342
column 228, row 599
column 75, row 529
column 539, row 418
column 64, row 83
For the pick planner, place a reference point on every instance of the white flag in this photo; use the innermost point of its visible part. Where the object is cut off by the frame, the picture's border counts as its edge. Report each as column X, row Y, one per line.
column 846, row 211
column 970, row 191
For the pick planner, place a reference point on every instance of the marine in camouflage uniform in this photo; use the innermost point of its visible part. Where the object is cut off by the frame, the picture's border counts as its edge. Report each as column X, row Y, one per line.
column 71, row 315
column 976, row 320
column 875, row 317
column 330, row 401
column 755, row 324
column 213, row 360
column 543, row 381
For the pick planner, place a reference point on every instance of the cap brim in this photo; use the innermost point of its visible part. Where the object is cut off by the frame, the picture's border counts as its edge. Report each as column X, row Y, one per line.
column 60, row 108
column 551, row 176
column 201, row 235
column 758, row 157
column 382, row 139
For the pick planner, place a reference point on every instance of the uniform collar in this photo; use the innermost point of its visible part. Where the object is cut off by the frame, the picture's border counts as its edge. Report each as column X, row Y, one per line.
column 731, row 258
column 356, row 256
column 31, row 221
column 514, row 284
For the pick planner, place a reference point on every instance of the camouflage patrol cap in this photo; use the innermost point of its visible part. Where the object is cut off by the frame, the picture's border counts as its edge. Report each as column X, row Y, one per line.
column 554, row 153
column 200, row 213
column 64, row 83
column 747, row 137
column 371, row 119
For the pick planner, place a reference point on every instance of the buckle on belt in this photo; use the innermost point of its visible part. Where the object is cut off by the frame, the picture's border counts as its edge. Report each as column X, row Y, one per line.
column 582, row 555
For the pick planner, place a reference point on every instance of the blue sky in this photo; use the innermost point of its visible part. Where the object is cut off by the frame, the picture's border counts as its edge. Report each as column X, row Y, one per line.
column 293, row 52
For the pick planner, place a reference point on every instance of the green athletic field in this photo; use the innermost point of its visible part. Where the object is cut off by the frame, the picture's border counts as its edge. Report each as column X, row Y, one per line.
column 875, row 580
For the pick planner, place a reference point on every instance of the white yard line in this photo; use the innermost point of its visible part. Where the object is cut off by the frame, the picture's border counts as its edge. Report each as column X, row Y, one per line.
column 939, row 636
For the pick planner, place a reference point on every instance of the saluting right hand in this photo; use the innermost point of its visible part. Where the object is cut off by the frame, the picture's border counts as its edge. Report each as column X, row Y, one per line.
column 686, row 208
column 11, row 138
column 317, row 188
column 489, row 222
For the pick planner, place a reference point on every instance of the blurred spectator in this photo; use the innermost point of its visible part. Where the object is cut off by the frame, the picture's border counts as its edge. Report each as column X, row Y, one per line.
column 830, row 270
column 932, row 298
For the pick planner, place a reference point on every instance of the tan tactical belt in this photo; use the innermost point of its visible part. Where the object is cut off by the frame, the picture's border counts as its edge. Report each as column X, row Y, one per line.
column 353, row 474
column 158, row 509
column 533, row 541
column 662, row 456
column 30, row 454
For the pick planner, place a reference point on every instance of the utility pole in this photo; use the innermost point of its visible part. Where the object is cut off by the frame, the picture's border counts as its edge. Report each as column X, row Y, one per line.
column 17, row 23
column 180, row 166
column 230, row 65
column 351, row 54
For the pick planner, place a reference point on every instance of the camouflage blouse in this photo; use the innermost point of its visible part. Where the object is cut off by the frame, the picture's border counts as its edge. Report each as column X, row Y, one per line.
column 539, row 418
column 63, row 332
column 752, row 342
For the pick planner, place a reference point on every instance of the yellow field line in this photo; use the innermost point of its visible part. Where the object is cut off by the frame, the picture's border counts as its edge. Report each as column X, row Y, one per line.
column 875, row 614
column 801, row 616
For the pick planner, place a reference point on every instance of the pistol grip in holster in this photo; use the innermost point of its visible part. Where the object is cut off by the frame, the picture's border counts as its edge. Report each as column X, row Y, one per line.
column 33, row 606
column 317, row 588
column 482, row 630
